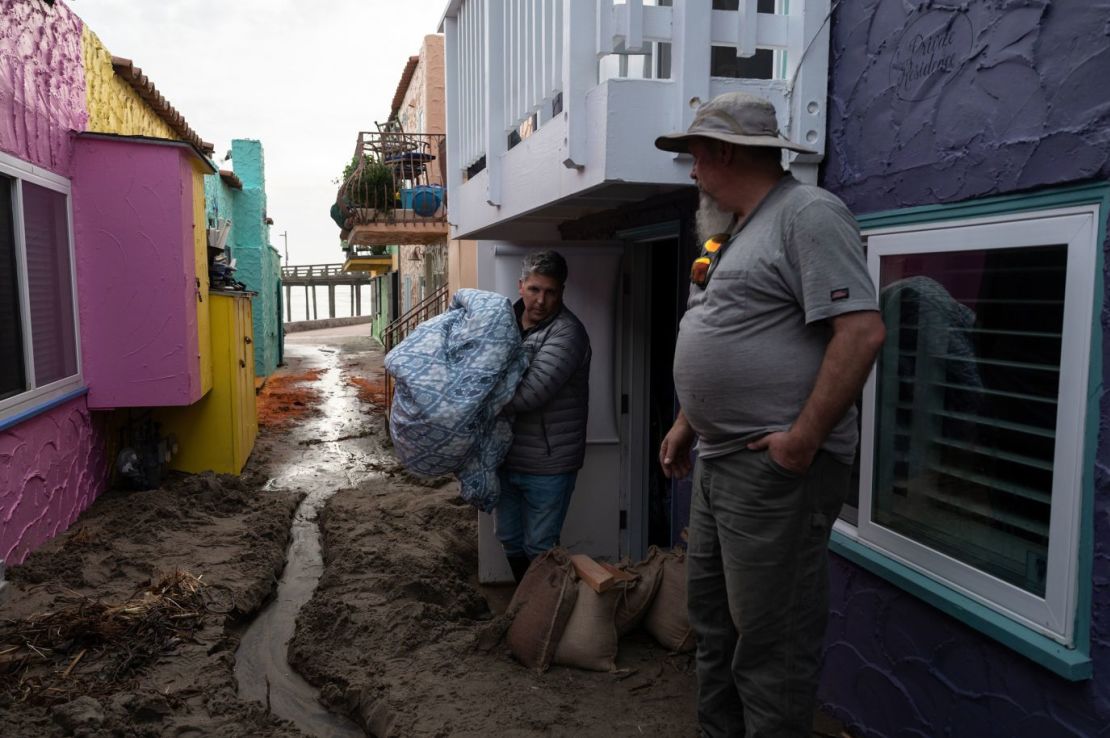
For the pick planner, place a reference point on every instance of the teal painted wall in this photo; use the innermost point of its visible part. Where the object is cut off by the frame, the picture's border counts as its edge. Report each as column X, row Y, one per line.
column 257, row 263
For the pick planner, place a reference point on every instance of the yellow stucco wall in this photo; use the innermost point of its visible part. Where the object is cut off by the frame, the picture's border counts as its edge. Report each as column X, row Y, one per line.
column 218, row 432
column 113, row 106
column 200, row 253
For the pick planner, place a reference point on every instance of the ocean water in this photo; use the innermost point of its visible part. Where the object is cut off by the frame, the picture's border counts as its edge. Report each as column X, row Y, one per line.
column 344, row 303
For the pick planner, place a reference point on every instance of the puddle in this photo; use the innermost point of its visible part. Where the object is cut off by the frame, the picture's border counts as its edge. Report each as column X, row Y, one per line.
column 322, row 455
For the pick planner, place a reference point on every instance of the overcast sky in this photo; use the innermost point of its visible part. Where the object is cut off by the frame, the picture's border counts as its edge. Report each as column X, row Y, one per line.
column 301, row 77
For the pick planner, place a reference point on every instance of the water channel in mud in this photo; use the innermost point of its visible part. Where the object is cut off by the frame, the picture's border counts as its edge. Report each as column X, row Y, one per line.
column 321, row 455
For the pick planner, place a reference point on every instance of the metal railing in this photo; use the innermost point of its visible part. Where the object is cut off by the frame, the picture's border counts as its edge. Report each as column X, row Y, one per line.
column 429, row 307
column 311, row 271
column 395, row 178
column 395, row 332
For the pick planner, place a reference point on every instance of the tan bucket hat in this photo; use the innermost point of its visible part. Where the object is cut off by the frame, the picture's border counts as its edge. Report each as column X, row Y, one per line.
column 734, row 117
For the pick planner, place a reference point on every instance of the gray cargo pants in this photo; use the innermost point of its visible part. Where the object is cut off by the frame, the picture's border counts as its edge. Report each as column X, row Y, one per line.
column 757, row 568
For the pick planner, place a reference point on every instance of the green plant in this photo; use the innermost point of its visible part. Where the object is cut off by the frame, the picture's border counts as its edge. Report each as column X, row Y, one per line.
column 372, row 186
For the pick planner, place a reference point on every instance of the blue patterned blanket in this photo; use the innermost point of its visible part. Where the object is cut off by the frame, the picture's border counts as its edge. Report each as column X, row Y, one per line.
column 453, row 374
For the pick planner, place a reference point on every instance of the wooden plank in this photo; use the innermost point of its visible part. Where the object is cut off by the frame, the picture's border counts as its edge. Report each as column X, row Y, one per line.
column 592, row 573
column 619, row 574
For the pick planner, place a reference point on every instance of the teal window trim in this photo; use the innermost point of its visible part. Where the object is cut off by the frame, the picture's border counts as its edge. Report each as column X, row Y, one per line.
column 1070, row 663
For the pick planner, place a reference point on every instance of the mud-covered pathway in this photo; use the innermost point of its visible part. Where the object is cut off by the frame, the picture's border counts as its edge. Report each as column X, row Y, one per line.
column 390, row 633
column 170, row 671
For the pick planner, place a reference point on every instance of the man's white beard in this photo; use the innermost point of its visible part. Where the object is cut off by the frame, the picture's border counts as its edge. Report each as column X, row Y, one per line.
column 710, row 219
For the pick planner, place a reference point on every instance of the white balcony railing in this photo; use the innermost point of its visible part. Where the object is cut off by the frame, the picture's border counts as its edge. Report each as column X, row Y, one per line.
column 513, row 65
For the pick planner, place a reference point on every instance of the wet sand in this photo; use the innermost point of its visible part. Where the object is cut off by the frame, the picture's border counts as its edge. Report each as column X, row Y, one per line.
column 396, row 638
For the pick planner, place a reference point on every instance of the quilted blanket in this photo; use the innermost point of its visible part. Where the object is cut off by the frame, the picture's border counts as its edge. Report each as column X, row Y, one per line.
column 453, row 375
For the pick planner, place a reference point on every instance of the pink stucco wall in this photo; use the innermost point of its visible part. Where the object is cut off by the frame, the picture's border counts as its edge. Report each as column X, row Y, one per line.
column 42, row 82
column 55, row 463
column 133, row 220
column 51, row 468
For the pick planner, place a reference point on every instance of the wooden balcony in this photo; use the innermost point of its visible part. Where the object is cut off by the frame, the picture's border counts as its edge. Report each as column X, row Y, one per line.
column 394, row 189
column 373, row 260
column 553, row 106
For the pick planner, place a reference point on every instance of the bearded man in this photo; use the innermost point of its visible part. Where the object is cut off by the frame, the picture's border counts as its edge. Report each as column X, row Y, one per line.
column 778, row 337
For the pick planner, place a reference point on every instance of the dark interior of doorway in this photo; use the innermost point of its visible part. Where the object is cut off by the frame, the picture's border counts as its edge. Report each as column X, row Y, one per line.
column 668, row 505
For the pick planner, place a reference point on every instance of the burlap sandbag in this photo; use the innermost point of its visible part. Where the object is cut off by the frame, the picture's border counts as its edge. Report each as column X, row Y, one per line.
column 540, row 608
column 637, row 596
column 590, row 638
column 667, row 619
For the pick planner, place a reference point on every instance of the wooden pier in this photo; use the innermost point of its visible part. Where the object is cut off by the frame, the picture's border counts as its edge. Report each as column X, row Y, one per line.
column 311, row 276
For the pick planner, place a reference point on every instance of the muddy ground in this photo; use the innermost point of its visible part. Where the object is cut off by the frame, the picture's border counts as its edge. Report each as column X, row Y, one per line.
column 402, row 637
column 169, row 674
column 398, row 635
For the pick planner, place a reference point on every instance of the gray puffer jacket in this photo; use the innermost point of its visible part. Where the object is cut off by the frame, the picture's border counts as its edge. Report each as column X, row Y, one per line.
column 552, row 399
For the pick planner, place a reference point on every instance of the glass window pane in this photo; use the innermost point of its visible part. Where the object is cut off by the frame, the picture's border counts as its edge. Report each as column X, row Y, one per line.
column 725, row 62
column 48, row 279
column 966, row 416
column 12, row 377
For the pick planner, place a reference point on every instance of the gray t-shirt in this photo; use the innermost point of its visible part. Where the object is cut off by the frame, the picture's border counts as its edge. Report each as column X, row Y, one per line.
column 751, row 341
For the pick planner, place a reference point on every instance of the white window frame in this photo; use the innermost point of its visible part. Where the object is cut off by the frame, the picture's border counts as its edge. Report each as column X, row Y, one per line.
column 33, row 396
column 1053, row 615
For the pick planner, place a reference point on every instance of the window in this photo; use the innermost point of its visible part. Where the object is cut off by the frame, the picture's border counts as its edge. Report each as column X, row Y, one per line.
column 975, row 419
column 38, row 327
column 724, row 61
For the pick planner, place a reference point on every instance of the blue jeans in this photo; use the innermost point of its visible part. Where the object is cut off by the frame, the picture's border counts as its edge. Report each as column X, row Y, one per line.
column 529, row 516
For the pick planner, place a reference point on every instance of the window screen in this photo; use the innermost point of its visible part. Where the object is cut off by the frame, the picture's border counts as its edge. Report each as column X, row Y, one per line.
column 12, row 376
column 46, row 231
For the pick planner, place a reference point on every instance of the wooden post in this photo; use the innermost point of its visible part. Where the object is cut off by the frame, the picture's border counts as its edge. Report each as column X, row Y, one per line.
column 579, row 77
column 690, row 57
column 331, row 300
column 358, row 298
column 451, row 109
column 288, row 303
column 747, row 20
column 315, row 312
column 495, row 68
column 810, row 84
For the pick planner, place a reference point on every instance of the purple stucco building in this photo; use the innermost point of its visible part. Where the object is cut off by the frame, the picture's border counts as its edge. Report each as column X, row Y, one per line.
column 935, row 104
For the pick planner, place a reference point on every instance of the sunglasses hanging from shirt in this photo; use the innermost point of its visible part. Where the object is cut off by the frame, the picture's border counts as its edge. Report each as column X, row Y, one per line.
column 702, row 268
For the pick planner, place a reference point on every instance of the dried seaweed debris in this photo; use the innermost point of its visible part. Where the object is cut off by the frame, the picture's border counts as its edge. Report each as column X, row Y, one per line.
column 94, row 648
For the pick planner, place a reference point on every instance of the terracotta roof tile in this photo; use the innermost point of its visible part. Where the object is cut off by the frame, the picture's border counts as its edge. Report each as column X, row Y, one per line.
column 231, row 179
column 148, row 92
column 403, row 85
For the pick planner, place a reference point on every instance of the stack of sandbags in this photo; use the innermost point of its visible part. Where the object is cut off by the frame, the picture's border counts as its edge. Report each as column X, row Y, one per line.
column 592, row 635
column 540, row 608
column 667, row 618
column 572, row 611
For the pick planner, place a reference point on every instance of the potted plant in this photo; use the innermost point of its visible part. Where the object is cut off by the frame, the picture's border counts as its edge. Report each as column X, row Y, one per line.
column 369, row 184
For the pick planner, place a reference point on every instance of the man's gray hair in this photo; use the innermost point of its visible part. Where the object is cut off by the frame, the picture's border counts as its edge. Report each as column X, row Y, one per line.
column 546, row 263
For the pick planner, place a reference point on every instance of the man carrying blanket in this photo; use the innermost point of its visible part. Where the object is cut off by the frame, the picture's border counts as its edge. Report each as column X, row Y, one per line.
column 550, row 408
